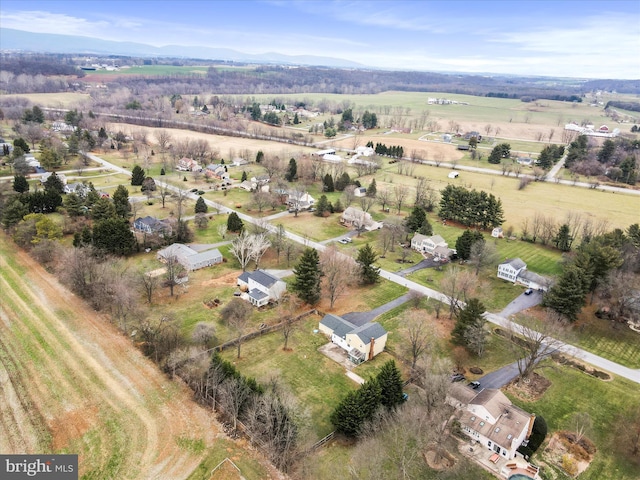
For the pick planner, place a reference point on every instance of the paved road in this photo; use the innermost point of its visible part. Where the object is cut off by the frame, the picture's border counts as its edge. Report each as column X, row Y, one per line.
column 597, row 361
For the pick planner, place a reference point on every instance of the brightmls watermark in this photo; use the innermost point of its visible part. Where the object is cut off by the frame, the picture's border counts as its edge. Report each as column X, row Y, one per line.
column 46, row 467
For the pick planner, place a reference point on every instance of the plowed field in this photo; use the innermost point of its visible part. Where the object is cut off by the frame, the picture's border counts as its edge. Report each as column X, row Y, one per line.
column 71, row 383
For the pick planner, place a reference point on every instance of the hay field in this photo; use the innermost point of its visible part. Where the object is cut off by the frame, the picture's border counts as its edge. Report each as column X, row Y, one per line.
column 54, row 100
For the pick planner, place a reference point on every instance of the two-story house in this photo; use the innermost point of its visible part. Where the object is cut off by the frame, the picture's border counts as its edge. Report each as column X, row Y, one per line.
column 261, row 287
column 361, row 343
column 188, row 165
column 359, row 219
column 489, row 418
column 515, row 270
column 434, row 245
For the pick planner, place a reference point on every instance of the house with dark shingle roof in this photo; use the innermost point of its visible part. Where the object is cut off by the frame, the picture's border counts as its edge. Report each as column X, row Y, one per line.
column 261, row 287
column 361, row 343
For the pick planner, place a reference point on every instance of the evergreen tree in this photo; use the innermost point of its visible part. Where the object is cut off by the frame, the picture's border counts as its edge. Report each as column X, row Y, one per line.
column 234, row 223
column 469, row 316
column 102, row 134
column 259, row 156
column 103, row 209
column 342, row 182
column 415, row 219
column 327, row 183
column 74, row 205
column 201, row 206
column 369, row 273
column 322, row 206
column 307, row 277
column 426, row 228
column 563, row 238
column 21, row 142
column 53, row 183
column 337, row 207
column 162, row 172
column 20, row 184
column 50, row 159
column 292, row 171
column 567, row 296
column 465, row 241
column 137, row 176
column 390, row 381
column 244, row 176
column 347, row 418
column 121, row 202
column 114, row 235
column 13, row 212
column 372, row 191
column 296, row 120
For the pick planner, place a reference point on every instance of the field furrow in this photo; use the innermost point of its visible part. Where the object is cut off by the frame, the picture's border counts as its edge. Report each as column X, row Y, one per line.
column 97, row 395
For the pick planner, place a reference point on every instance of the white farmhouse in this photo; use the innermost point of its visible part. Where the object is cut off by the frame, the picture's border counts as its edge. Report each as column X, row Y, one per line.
column 359, row 219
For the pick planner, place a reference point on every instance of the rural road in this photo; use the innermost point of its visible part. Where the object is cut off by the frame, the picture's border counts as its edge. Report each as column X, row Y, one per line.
column 497, row 319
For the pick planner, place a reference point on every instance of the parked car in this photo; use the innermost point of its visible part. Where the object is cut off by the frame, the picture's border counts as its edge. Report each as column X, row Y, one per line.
column 474, row 385
column 453, row 174
column 457, row 377
column 528, row 291
column 345, row 240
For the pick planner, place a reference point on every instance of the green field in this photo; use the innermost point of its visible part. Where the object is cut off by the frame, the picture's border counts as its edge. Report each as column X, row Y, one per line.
column 153, row 70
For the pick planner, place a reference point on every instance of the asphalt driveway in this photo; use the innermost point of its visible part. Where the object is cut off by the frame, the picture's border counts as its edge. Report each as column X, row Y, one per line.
column 522, row 302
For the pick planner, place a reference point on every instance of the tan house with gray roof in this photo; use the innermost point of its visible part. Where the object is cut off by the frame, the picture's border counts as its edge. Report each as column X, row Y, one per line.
column 489, row 418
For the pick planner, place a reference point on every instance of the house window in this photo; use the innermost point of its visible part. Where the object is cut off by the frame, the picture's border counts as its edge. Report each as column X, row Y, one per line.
column 489, row 444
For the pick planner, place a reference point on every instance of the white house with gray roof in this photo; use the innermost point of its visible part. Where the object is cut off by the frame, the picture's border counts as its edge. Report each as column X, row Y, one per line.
column 361, row 343
column 515, row 270
column 261, row 287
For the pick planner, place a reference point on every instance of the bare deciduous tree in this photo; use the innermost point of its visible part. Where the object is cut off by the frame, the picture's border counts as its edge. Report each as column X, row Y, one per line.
column 384, row 198
column 458, row 285
column 348, row 195
column 149, row 284
column 203, row 333
column 174, row 272
column 417, row 336
column 339, row 271
column 237, row 314
column 400, row 193
column 483, row 254
column 533, row 341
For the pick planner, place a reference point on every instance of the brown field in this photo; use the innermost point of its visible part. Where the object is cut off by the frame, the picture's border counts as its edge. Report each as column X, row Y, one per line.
column 71, row 383
column 223, row 144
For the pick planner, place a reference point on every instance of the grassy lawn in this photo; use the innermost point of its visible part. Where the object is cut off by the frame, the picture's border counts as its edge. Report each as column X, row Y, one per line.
column 317, row 382
column 223, row 448
column 573, row 391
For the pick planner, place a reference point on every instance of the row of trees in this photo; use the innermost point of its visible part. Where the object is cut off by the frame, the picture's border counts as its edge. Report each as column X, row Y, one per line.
column 470, row 207
column 360, row 406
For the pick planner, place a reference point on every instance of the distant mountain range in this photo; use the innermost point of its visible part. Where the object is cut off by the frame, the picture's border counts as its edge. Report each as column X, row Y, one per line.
column 19, row 40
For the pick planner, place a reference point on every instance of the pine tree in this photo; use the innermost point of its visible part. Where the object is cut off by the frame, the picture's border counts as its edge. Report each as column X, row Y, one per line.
column 121, row 202
column 322, row 206
column 292, row 172
column 563, row 238
column 369, row 273
column 347, row 418
column 137, row 176
column 20, row 184
column 465, row 241
column 244, row 176
column 201, row 206
column 426, row 228
column 54, row 183
column 343, row 181
column 114, row 235
column 470, row 315
column 372, row 191
column 162, row 172
column 259, row 156
column 567, row 296
column 234, row 223
column 327, row 182
column 415, row 219
column 390, row 381
column 307, row 277
column 74, row 205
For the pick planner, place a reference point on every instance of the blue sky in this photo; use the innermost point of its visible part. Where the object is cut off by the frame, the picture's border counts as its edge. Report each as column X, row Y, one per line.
column 574, row 38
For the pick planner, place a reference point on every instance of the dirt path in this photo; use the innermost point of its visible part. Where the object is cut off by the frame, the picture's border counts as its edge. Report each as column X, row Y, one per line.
column 70, row 381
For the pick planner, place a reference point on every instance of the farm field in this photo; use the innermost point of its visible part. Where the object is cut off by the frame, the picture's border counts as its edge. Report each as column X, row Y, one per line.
column 98, row 396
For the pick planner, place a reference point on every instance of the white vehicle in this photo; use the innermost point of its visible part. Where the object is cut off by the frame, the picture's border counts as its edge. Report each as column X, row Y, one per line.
column 453, row 174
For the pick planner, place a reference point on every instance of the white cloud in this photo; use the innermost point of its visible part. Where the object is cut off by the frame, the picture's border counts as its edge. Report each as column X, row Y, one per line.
column 47, row 22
